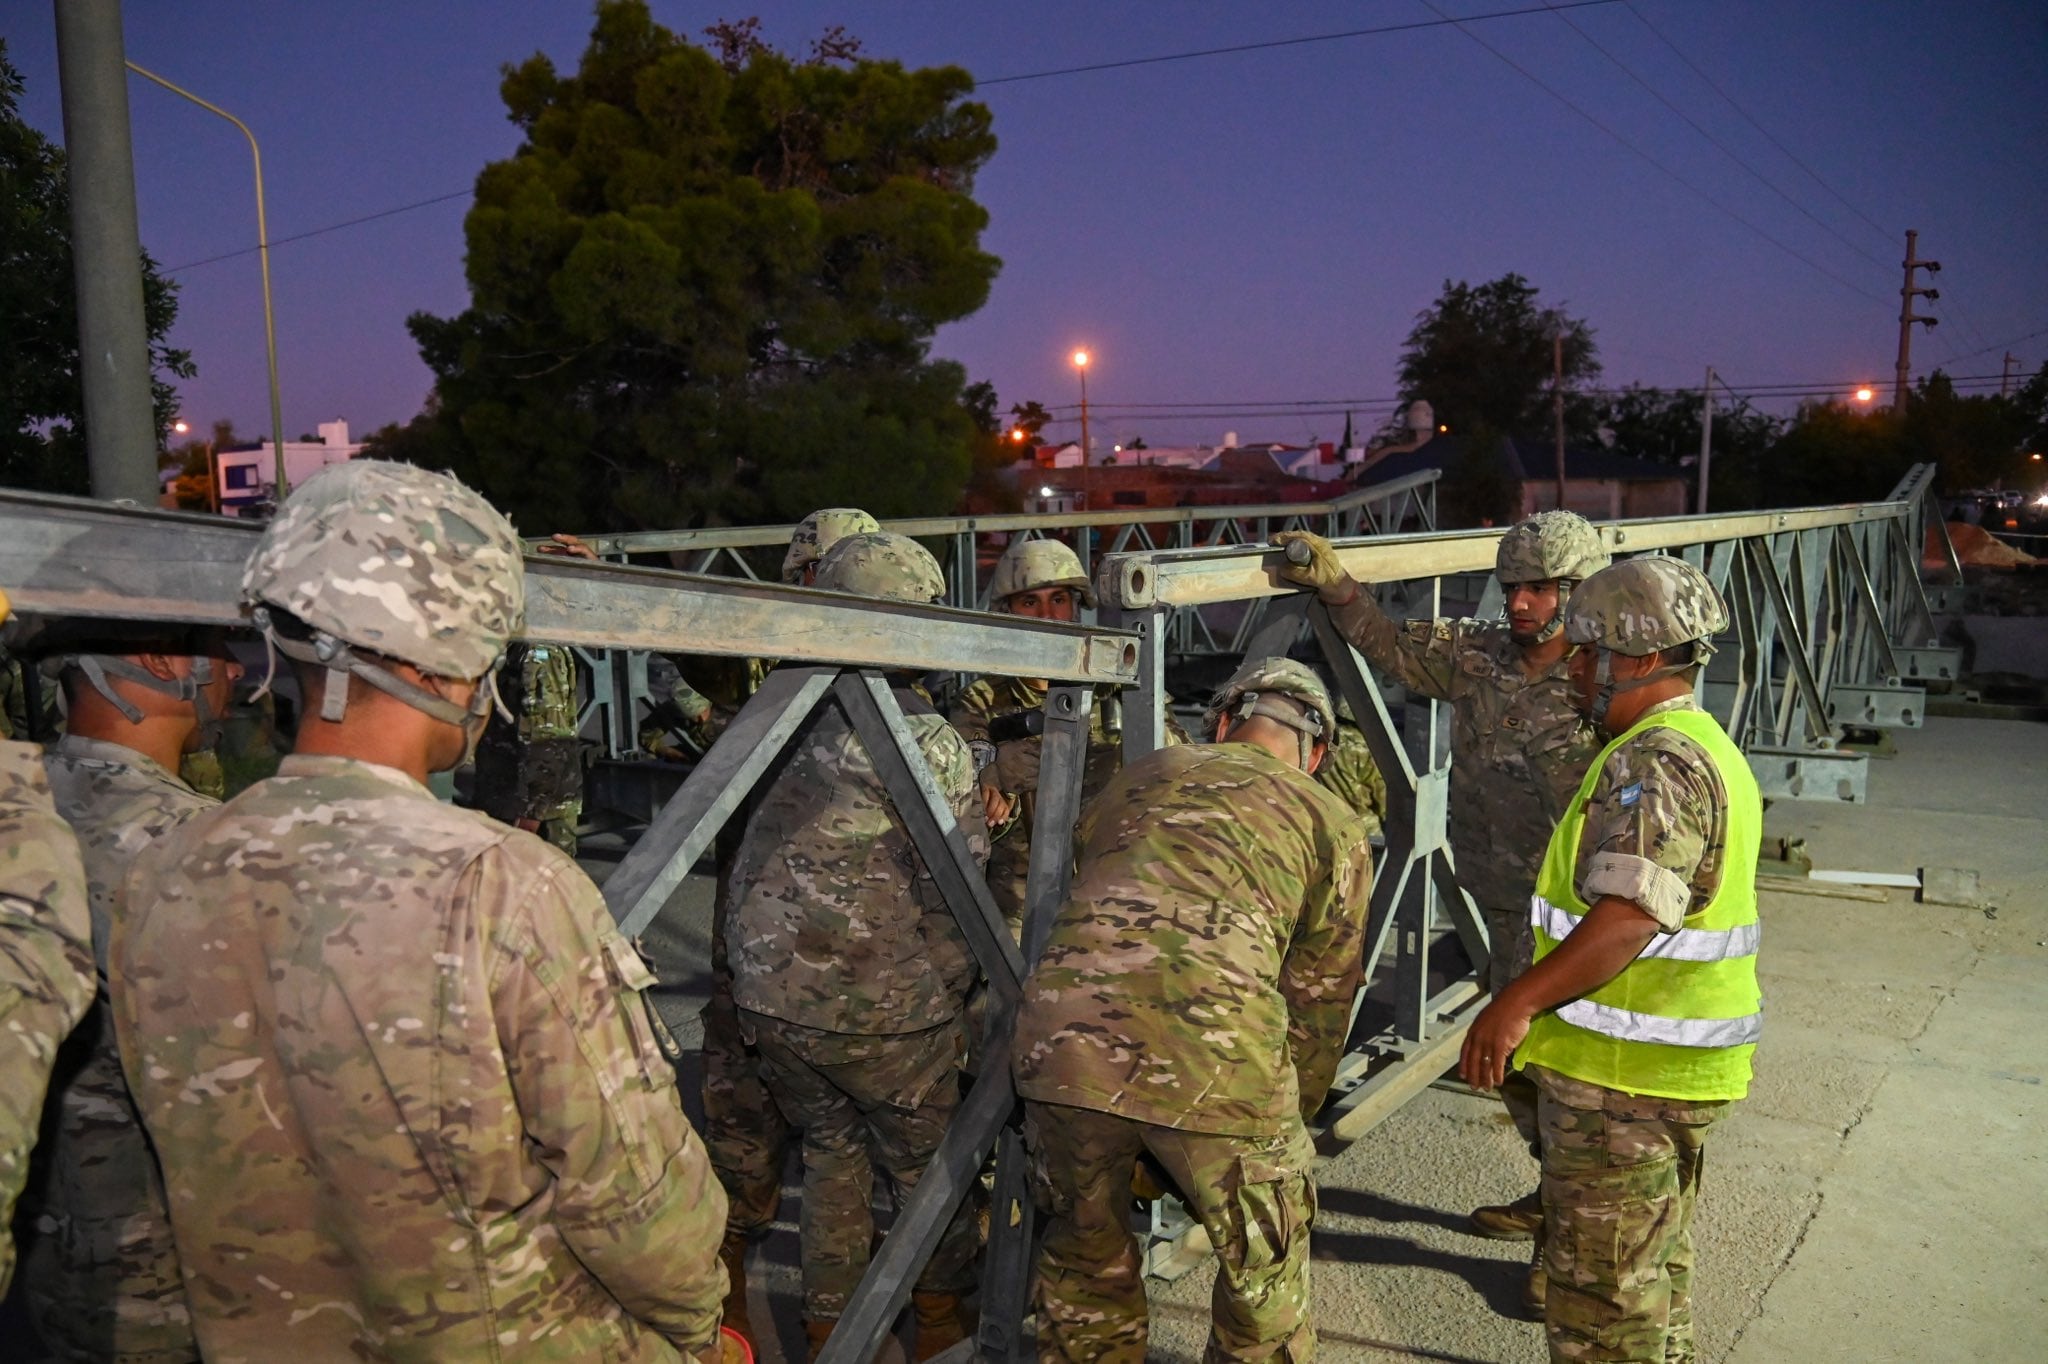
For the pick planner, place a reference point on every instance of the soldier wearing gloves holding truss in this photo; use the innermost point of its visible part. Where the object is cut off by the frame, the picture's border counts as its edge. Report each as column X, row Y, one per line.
column 409, row 1096
column 851, row 974
column 1518, row 748
column 1192, row 1002
column 1641, row 1012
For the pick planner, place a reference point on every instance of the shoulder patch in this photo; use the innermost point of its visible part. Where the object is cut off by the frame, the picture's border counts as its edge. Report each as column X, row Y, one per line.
column 1630, row 794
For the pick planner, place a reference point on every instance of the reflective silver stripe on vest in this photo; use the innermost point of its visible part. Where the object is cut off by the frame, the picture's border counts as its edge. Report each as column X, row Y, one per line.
column 1687, row 944
column 1672, row 1032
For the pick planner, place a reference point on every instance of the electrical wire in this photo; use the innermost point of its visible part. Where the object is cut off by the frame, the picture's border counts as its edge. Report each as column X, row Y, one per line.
column 1725, row 149
column 994, row 80
column 1729, row 99
column 1439, row 22
column 321, row 231
column 1631, row 147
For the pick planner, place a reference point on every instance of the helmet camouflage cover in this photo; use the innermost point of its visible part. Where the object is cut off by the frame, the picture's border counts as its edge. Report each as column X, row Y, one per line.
column 818, row 532
column 1282, row 675
column 1550, row 545
column 1031, row 564
column 395, row 559
column 882, row 564
column 1641, row 605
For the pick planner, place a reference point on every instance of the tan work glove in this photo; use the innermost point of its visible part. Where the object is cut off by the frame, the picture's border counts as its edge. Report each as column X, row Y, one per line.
column 1322, row 571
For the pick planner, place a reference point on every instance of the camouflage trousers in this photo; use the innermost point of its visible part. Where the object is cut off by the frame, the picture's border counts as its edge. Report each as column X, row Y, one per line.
column 744, row 1132
column 1621, row 1173
column 1514, row 946
column 865, row 1103
column 1253, row 1195
column 99, row 1270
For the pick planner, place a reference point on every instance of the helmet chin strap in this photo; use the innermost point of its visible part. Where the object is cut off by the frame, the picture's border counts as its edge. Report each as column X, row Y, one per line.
column 1303, row 720
column 343, row 663
column 191, row 687
column 1607, row 688
column 1549, row 629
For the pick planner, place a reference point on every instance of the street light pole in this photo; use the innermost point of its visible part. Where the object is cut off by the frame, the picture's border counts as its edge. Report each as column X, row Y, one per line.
column 263, row 252
column 113, row 331
column 1706, row 437
column 1081, row 363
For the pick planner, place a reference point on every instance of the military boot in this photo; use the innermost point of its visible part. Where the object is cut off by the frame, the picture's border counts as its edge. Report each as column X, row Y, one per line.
column 939, row 1326
column 1536, row 1286
column 732, row 1253
column 1516, row 1221
column 816, row 1333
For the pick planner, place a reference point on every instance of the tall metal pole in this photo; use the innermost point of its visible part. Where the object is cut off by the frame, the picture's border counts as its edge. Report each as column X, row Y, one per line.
column 1907, row 317
column 263, row 252
column 1083, row 367
column 106, row 253
column 1706, row 436
column 2005, row 378
column 1557, row 405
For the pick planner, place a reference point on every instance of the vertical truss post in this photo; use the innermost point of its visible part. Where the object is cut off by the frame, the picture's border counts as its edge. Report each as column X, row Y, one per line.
column 1145, row 712
column 641, row 886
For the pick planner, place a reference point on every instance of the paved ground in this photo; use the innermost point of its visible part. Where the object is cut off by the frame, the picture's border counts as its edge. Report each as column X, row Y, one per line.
column 1879, row 1196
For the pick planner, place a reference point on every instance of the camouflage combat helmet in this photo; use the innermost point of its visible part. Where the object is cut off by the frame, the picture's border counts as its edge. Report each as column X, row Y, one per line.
column 879, row 564
column 1557, row 546
column 818, row 532
column 1255, row 689
column 1641, row 605
column 393, row 560
column 1031, row 564
column 1638, row 607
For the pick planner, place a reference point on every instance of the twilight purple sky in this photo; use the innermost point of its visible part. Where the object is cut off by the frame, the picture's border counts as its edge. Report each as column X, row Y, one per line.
column 1252, row 228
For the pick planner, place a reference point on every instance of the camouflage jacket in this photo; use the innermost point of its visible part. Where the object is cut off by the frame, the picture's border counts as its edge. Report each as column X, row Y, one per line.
column 1350, row 771
column 101, row 1272
column 1656, row 825
column 1518, row 748
column 408, row 1095
column 1011, row 766
column 1201, row 973
column 833, row 921
column 46, row 975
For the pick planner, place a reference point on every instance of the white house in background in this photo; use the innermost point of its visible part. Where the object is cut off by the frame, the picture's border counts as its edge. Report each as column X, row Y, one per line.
column 245, row 476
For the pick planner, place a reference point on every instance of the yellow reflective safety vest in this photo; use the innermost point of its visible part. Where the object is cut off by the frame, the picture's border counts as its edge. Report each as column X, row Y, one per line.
column 1682, row 1020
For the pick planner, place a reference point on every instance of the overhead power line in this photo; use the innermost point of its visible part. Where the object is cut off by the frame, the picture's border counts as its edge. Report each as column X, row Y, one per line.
column 320, row 231
column 1725, row 149
column 1729, row 99
column 994, row 80
column 1126, row 62
column 1632, row 148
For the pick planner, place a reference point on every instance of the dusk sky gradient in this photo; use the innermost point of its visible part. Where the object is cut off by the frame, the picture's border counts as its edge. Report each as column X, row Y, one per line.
column 1257, row 227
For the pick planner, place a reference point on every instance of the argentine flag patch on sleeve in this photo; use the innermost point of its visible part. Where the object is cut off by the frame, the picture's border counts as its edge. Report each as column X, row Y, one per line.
column 1631, row 793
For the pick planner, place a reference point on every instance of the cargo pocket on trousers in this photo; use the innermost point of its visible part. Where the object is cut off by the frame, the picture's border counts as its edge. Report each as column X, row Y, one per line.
column 1272, row 1205
column 1611, row 1228
column 653, row 1045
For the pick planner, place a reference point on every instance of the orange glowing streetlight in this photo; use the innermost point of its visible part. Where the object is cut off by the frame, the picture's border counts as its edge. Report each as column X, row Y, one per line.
column 1865, row 394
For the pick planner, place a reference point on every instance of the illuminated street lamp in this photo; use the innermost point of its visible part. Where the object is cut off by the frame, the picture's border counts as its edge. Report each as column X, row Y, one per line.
column 1081, row 364
column 263, row 253
column 179, row 427
column 1865, row 394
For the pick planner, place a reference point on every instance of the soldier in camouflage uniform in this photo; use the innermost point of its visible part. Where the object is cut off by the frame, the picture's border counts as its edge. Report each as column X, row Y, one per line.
column 1192, row 1003
column 1351, row 772
column 745, row 1131
column 99, row 1268
column 529, row 769
column 1041, row 579
column 409, row 1097
column 46, row 969
column 1518, row 748
column 850, row 971
column 1641, row 1012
